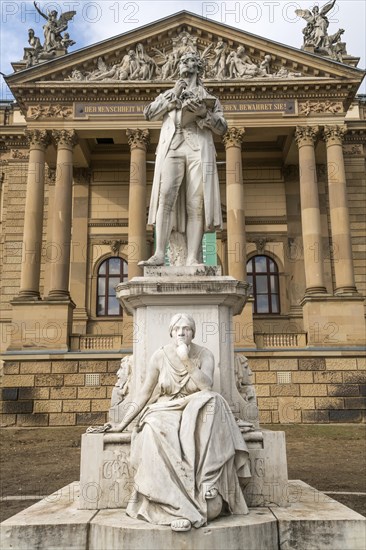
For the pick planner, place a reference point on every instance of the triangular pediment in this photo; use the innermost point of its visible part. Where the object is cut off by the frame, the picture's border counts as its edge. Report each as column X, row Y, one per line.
column 156, row 47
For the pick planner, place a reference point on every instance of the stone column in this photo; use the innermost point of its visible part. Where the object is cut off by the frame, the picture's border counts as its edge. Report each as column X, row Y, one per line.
column 339, row 216
column 33, row 216
column 310, row 213
column 138, row 141
column 62, row 208
column 236, row 242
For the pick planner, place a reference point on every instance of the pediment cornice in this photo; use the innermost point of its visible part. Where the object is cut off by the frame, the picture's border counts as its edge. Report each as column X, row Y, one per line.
column 160, row 34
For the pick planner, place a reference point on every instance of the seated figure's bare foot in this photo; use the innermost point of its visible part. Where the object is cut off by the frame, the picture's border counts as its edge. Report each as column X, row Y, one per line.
column 154, row 260
column 181, row 524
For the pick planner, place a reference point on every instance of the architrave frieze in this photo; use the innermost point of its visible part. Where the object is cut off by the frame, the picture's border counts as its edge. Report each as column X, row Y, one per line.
column 331, row 95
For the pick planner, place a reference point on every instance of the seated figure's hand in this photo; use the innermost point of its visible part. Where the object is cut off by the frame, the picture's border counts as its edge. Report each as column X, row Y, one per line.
column 112, row 428
column 182, row 351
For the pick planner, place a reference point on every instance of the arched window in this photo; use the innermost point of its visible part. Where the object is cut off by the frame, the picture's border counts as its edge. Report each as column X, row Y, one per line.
column 111, row 272
column 263, row 275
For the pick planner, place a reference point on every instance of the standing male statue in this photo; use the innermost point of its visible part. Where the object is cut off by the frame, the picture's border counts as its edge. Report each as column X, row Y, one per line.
column 185, row 194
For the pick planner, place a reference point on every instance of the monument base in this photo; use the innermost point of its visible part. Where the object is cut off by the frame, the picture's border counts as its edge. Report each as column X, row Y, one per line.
column 106, row 479
column 313, row 521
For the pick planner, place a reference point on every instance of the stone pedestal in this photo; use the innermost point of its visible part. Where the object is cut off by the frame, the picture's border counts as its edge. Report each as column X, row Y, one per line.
column 313, row 520
column 211, row 300
column 334, row 320
column 106, row 479
column 41, row 325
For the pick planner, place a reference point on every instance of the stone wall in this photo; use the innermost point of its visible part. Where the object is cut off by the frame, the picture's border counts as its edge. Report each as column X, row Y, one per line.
column 313, row 389
column 54, row 393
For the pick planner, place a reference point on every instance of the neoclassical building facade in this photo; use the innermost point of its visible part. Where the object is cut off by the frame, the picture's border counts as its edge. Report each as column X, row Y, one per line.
column 77, row 163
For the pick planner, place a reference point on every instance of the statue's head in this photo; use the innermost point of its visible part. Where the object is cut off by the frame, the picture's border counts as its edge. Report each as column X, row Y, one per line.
column 181, row 320
column 190, row 63
column 240, row 50
column 315, row 10
column 31, row 32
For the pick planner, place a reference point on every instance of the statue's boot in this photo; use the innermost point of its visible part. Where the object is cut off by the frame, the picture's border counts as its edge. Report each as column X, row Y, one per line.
column 194, row 240
column 162, row 231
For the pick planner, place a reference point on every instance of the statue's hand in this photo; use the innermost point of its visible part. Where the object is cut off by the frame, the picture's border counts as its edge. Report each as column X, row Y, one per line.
column 182, row 351
column 112, row 428
column 196, row 107
column 180, row 85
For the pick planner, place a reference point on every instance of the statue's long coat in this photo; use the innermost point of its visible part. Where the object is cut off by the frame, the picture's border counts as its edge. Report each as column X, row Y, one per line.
column 211, row 192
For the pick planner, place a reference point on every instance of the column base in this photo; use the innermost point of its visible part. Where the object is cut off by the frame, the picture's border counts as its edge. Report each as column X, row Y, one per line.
column 59, row 295
column 346, row 290
column 315, row 290
column 27, row 295
column 332, row 321
column 41, row 325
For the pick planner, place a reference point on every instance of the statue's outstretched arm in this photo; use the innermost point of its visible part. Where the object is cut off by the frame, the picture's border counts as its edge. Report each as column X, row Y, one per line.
column 39, row 11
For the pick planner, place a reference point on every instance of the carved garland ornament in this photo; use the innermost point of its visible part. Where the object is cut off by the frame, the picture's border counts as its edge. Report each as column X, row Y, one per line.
column 17, row 154
column 49, row 111
column 320, row 107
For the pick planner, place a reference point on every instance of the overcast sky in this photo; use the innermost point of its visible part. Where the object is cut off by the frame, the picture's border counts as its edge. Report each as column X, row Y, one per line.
column 102, row 19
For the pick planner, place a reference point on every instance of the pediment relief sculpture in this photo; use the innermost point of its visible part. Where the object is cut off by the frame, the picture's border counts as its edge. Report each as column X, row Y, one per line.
column 219, row 63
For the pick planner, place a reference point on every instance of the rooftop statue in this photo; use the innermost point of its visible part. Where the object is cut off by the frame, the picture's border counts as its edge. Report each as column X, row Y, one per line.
column 186, row 438
column 316, row 32
column 186, row 151
column 54, row 27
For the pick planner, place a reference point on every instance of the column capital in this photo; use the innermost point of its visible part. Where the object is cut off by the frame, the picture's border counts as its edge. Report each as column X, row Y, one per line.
column 334, row 135
column 65, row 138
column 38, row 138
column 233, row 137
column 138, row 138
column 306, row 135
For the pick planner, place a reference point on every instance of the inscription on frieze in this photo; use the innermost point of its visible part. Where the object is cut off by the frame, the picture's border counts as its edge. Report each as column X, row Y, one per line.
column 84, row 110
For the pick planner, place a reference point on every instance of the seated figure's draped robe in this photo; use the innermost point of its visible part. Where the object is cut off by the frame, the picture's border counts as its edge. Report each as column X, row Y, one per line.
column 186, row 442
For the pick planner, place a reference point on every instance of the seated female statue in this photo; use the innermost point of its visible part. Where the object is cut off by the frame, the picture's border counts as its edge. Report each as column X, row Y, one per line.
column 186, row 449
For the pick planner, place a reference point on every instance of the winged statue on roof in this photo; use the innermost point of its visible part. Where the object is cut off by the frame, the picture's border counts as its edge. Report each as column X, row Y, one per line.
column 316, row 30
column 55, row 25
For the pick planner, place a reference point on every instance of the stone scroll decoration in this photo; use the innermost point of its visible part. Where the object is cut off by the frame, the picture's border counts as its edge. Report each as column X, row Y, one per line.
column 219, row 61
